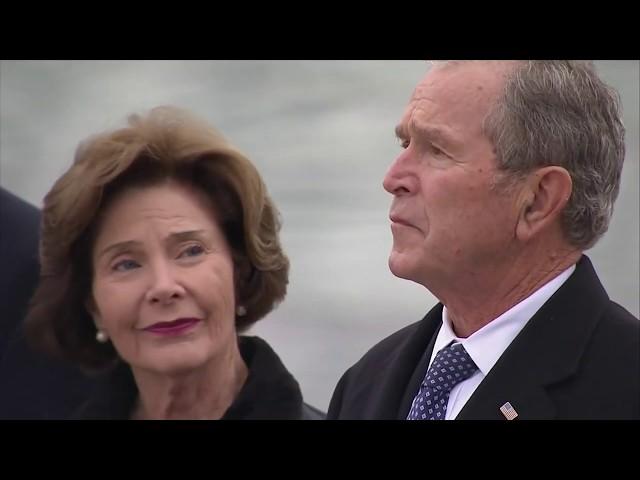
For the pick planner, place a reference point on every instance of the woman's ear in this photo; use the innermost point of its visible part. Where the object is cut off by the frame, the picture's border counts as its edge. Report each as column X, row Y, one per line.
column 92, row 308
column 242, row 269
column 101, row 334
column 547, row 192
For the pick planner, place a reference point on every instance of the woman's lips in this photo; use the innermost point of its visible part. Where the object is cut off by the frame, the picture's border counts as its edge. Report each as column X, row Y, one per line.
column 174, row 327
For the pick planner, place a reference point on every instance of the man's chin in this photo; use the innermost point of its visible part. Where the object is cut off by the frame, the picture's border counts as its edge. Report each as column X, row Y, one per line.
column 400, row 265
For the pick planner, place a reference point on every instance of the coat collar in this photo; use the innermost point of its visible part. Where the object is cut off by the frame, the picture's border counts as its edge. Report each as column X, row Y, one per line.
column 270, row 391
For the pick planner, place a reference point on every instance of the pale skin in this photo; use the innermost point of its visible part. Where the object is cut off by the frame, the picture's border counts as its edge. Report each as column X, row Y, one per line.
column 478, row 247
column 160, row 256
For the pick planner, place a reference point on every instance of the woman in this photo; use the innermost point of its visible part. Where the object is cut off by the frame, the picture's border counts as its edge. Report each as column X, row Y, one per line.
column 159, row 245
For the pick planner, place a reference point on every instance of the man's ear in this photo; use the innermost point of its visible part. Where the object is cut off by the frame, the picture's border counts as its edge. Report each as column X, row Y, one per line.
column 546, row 193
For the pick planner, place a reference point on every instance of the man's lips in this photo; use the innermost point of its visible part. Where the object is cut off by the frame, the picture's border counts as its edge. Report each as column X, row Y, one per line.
column 400, row 221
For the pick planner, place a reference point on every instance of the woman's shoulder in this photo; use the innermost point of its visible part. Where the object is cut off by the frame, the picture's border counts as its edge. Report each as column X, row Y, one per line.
column 271, row 384
column 114, row 393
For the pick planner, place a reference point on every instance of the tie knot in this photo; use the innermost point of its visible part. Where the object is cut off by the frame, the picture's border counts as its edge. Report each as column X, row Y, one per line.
column 451, row 366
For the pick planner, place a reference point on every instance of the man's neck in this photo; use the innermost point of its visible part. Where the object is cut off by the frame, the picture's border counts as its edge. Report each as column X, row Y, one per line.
column 474, row 302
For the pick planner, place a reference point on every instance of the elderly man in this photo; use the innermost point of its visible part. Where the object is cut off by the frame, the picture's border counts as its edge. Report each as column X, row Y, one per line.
column 508, row 173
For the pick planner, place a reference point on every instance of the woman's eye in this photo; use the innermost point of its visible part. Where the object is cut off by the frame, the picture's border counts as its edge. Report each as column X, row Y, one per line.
column 192, row 251
column 124, row 265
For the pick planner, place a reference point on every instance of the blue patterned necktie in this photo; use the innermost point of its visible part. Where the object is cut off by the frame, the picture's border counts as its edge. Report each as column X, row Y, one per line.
column 451, row 366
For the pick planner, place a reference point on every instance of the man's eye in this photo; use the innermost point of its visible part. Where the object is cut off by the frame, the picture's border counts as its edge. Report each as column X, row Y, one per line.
column 436, row 151
column 403, row 143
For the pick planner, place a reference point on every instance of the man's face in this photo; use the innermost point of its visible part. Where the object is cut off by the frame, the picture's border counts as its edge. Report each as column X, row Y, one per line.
column 448, row 219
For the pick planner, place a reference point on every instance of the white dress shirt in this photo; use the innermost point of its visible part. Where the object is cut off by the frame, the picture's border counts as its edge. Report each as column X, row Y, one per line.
column 488, row 344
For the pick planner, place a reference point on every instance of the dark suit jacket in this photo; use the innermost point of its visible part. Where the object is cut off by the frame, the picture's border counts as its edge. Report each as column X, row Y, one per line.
column 19, row 226
column 577, row 358
column 31, row 385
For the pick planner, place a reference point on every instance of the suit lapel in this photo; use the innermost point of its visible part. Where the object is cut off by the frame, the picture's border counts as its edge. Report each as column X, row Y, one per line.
column 421, row 368
column 396, row 380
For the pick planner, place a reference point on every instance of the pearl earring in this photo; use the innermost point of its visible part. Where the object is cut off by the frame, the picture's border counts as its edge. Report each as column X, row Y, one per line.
column 241, row 310
column 101, row 336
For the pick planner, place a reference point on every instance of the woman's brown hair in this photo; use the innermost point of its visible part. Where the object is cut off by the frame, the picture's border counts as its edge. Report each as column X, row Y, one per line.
column 167, row 143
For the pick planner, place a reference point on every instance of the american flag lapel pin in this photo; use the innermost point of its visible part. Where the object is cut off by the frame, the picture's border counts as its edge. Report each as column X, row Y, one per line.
column 508, row 411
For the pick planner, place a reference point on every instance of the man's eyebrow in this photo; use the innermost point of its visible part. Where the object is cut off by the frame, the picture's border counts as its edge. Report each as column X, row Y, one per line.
column 401, row 132
column 424, row 131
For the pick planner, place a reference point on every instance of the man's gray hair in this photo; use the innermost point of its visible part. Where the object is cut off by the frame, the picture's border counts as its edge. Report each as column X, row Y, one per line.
column 561, row 113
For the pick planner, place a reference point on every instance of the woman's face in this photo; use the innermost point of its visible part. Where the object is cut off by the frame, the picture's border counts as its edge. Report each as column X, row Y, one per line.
column 163, row 282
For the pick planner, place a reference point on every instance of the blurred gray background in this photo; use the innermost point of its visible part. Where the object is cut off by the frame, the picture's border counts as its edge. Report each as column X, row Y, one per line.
column 321, row 133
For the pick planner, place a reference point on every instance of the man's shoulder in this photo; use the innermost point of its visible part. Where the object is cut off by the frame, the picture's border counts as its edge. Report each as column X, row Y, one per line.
column 615, row 326
column 621, row 317
column 620, row 327
column 394, row 342
column 19, row 227
column 15, row 211
column 400, row 342
column 611, row 363
column 20, row 224
column 374, row 385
